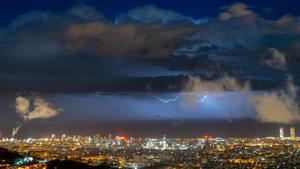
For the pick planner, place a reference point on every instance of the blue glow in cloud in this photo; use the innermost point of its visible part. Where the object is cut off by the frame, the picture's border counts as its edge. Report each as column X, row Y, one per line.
column 224, row 105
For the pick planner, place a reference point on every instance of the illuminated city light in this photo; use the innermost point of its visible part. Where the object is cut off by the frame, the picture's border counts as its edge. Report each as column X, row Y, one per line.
column 142, row 152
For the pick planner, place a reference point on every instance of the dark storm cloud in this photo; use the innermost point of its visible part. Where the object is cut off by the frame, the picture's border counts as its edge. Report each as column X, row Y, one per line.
column 153, row 41
column 239, row 28
column 30, row 45
column 44, row 49
column 33, row 50
column 35, row 35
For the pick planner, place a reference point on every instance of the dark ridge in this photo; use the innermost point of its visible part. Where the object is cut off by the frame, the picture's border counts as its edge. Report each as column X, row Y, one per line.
column 8, row 155
column 69, row 164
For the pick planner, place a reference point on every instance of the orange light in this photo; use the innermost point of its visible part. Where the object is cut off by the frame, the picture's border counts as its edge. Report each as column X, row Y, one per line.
column 121, row 137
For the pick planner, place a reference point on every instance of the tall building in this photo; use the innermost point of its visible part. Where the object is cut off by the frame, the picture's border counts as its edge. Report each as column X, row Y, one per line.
column 164, row 142
column 292, row 133
column 281, row 133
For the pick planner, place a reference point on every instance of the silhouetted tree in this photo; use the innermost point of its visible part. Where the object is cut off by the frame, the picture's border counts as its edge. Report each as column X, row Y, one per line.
column 8, row 155
column 69, row 164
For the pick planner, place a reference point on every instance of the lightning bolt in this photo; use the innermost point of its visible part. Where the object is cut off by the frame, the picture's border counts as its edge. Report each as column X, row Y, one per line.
column 205, row 97
column 167, row 100
column 202, row 100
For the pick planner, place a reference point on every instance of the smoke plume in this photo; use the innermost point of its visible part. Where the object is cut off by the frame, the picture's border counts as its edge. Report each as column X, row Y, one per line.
column 29, row 109
column 16, row 129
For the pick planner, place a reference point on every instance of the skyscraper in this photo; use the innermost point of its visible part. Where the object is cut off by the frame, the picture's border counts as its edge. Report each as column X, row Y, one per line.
column 281, row 133
column 292, row 133
column 164, row 142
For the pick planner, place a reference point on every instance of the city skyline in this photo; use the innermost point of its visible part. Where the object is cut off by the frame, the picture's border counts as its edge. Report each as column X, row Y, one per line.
column 129, row 152
column 292, row 135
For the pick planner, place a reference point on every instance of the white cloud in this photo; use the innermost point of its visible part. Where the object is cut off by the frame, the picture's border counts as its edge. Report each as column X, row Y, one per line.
column 278, row 106
column 236, row 10
column 41, row 109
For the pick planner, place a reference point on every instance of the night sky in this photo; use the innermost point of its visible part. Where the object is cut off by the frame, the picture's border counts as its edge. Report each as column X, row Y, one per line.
column 221, row 68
